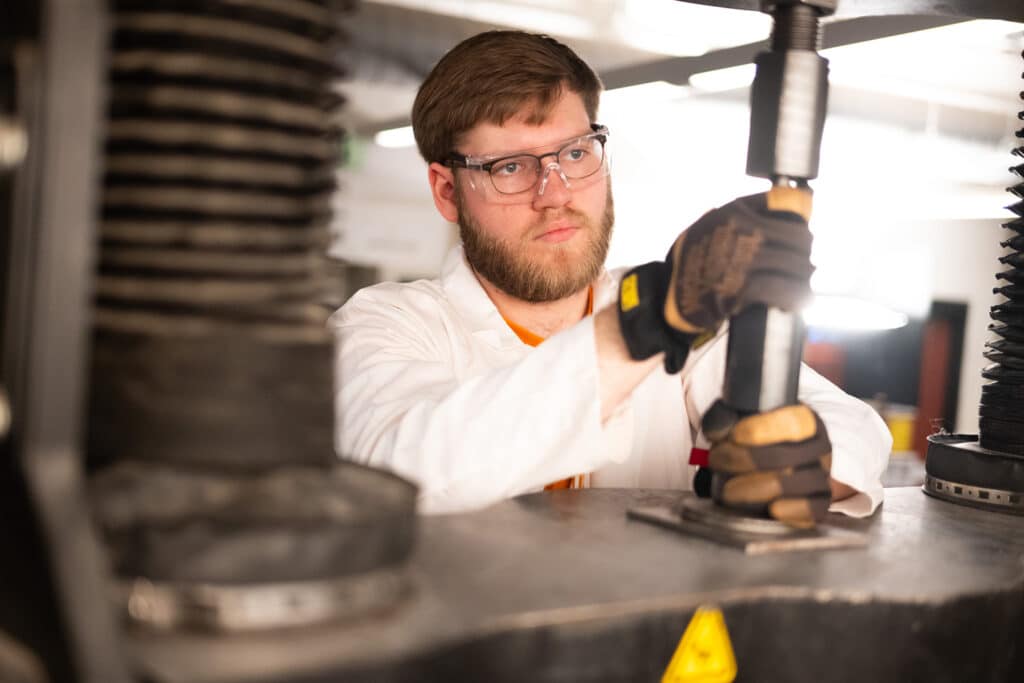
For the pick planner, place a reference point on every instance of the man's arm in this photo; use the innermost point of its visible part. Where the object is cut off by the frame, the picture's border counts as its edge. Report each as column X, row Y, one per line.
column 618, row 374
column 471, row 438
column 861, row 444
column 840, row 491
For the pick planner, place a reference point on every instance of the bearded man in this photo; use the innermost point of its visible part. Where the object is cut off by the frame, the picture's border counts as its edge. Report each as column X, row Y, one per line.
column 527, row 365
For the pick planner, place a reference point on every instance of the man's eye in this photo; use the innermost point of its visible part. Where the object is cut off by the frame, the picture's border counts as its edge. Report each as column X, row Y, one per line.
column 576, row 154
column 508, row 168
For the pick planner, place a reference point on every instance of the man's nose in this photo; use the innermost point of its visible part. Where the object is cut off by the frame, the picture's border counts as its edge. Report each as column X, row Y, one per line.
column 554, row 190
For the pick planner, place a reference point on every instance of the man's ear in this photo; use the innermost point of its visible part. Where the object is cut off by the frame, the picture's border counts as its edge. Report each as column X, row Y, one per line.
column 442, row 186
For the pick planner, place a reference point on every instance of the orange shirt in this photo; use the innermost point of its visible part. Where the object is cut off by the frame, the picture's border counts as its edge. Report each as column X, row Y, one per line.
column 531, row 339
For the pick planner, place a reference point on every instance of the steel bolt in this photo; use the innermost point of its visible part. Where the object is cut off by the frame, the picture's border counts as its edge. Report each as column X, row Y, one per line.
column 13, row 143
column 5, row 413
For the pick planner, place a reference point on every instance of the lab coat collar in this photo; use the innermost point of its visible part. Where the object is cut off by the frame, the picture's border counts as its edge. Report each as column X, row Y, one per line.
column 465, row 293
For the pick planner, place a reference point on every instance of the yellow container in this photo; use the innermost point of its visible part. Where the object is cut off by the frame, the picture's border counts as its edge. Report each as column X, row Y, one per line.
column 901, row 424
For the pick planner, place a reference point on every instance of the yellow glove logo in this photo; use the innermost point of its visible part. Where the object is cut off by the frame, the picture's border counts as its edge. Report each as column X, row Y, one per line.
column 629, row 294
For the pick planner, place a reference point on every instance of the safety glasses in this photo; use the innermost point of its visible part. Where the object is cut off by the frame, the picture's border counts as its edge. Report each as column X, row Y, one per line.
column 512, row 177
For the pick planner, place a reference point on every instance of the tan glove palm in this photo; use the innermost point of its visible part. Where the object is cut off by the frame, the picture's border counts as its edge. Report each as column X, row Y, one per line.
column 734, row 256
column 772, row 464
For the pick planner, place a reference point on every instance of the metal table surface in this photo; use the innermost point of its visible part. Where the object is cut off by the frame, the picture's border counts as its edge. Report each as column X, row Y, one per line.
column 561, row 586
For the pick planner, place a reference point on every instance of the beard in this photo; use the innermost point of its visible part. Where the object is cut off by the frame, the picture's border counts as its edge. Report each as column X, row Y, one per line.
column 508, row 266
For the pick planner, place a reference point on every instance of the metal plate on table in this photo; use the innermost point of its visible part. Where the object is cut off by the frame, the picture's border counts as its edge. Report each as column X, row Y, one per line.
column 754, row 536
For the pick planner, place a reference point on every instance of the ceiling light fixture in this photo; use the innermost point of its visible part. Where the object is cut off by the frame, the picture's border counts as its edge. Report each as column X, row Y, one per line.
column 498, row 13
column 395, row 137
column 848, row 313
column 720, row 80
column 651, row 92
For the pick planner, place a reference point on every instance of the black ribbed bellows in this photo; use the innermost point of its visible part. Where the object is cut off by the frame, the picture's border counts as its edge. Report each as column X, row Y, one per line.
column 221, row 151
column 1001, row 424
column 210, row 430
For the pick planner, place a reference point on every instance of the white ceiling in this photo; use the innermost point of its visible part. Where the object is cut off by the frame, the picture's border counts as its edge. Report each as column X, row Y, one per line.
column 967, row 72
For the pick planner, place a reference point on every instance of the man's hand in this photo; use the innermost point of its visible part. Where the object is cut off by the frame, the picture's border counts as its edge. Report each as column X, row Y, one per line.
column 641, row 317
column 735, row 256
column 775, row 463
column 732, row 257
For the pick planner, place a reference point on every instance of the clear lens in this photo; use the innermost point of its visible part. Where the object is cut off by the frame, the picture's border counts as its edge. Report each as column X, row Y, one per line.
column 578, row 159
column 581, row 158
column 515, row 174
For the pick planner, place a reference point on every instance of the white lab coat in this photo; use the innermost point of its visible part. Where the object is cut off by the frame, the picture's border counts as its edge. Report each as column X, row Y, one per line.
column 433, row 385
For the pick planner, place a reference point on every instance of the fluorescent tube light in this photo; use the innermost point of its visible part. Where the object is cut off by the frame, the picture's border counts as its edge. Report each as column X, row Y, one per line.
column 685, row 29
column 497, row 13
column 847, row 313
column 395, row 137
column 720, row 80
column 642, row 94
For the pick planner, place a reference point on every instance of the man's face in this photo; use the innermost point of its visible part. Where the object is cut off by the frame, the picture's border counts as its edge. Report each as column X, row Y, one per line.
column 549, row 245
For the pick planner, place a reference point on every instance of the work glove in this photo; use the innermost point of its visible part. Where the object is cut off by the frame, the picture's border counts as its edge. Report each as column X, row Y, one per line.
column 773, row 464
column 733, row 256
column 641, row 317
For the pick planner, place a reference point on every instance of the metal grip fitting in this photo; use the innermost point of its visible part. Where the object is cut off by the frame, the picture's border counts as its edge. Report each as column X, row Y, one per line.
column 787, row 114
column 789, row 94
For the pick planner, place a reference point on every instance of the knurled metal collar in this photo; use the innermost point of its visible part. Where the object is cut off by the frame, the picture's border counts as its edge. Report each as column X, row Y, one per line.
column 824, row 7
column 1011, row 501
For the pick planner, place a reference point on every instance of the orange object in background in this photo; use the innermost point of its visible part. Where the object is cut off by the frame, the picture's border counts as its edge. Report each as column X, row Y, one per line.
column 827, row 359
column 936, row 348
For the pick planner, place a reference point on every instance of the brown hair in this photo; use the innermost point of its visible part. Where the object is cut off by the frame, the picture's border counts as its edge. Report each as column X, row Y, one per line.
column 490, row 78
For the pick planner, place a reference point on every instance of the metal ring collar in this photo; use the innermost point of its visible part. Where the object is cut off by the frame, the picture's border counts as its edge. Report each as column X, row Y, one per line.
column 1011, row 501
column 248, row 607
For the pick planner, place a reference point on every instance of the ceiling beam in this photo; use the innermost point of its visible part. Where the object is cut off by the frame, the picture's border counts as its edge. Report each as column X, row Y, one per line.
column 835, row 34
column 1010, row 10
column 679, row 69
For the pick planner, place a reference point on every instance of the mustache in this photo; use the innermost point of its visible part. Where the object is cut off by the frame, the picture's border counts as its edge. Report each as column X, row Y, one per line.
column 540, row 226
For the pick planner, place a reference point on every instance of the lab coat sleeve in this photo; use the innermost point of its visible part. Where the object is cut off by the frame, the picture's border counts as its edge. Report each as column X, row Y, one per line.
column 861, row 443
column 466, row 442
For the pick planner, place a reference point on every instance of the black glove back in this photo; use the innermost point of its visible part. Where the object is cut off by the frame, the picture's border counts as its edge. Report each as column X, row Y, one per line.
column 735, row 256
column 641, row 302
